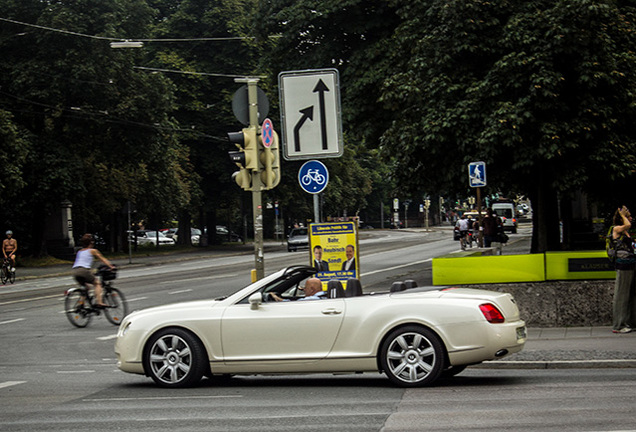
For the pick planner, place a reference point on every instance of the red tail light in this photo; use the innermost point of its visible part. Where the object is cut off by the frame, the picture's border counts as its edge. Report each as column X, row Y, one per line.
column 491, row 313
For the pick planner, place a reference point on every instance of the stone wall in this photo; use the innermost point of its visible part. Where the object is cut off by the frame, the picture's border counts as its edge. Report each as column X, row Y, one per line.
column 561, row 303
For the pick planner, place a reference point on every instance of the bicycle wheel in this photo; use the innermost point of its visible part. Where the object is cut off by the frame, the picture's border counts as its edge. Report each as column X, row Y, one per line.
column 11, row 276
column 76, row 311
column 3, row 275
column 117, row 306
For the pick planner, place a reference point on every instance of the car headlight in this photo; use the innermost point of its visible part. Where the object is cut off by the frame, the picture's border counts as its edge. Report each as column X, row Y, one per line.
column 123, row 329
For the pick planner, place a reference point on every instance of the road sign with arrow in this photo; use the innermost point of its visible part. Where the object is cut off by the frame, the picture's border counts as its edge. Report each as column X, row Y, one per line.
column 310, row 114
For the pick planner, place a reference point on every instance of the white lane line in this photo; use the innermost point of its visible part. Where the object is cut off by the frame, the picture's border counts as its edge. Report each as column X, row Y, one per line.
column 136, row 299
column 30, row 299
column 397, row 267
column 12, row 321
column 215, row 277
column 76, row 372
column 161, row 398
column 104, row 338
column 179, row 292
column 10, row 383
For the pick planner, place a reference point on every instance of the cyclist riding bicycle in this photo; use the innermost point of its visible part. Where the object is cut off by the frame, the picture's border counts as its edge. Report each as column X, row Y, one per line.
column 83, row 263
column 463, row 230
column 9, row 248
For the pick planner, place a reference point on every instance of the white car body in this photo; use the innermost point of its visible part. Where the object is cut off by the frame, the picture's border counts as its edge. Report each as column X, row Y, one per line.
column 241, row 334
column 150, row 238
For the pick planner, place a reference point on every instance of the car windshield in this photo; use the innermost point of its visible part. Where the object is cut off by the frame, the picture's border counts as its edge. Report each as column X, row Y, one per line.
column 298, row 232
column 506, row 213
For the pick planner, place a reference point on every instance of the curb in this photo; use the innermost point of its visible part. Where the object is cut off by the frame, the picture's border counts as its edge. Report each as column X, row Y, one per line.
column 559, row 364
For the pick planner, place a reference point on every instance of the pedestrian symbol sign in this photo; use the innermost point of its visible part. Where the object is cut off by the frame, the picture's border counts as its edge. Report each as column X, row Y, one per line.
column 477, row 174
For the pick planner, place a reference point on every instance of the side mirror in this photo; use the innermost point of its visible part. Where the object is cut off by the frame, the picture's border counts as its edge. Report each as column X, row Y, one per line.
column 255, row 300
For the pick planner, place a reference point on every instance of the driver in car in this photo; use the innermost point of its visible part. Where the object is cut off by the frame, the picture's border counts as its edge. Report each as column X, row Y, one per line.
column 313, row 291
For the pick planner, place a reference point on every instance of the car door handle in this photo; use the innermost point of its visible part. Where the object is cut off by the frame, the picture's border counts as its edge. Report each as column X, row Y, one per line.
column 331, row 311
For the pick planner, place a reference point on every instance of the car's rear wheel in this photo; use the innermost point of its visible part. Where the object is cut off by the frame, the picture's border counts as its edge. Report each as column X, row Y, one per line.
column 175, row 358
column 412, row 356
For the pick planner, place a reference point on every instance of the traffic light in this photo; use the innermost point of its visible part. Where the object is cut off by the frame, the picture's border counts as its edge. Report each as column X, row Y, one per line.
column 246, row 158
column 243, row 178
column 247, row 144
column 270, row 176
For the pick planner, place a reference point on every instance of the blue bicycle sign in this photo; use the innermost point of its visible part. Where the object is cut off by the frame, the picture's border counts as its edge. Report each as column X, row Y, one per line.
column 313, row 177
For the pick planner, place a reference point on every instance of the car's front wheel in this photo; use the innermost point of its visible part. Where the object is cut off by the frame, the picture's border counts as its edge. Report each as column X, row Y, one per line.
column 175, row 358
column 412, row 356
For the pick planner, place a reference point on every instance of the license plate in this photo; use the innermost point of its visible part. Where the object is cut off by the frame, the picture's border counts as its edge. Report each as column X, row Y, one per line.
column 521, row 333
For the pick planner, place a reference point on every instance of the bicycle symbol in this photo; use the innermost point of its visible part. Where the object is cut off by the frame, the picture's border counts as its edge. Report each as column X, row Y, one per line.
column 313, row 175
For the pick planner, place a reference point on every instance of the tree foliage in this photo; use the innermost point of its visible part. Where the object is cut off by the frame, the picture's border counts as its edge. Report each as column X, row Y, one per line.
column 542, row 91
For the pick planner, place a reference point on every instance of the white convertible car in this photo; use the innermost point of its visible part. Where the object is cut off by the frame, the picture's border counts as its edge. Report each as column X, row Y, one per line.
column 412, row 335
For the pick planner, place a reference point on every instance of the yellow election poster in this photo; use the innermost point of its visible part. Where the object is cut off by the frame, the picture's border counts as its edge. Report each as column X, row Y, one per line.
column 333, row 250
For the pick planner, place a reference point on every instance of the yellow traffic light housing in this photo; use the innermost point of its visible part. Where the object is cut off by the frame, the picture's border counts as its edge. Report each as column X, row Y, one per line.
column 247, row 143
column 246, row 158
column 270, row 175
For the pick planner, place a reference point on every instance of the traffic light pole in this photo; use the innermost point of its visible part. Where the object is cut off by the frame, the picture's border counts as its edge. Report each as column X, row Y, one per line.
column 257, row 201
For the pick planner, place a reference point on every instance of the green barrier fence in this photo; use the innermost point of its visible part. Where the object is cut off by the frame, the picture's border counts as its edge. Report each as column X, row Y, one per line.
column 522, row 268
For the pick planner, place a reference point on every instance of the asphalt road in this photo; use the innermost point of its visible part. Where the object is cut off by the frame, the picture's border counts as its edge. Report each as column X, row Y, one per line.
column 54, row 377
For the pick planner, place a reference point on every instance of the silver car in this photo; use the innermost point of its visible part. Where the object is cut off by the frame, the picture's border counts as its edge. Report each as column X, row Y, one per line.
column 297, row 239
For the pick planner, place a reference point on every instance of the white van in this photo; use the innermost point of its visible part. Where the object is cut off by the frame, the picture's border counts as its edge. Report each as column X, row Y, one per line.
column 506, row 211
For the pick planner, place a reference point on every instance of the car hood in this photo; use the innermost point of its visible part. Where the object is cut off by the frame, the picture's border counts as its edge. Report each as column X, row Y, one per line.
column 180, row 308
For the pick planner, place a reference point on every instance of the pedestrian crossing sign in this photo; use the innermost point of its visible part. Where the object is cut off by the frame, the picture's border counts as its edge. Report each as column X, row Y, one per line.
column 477, row 174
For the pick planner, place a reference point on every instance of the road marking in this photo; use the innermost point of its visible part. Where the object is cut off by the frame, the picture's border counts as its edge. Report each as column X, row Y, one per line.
column 12, row 321
column 161, row 398
column 29, row 299
column 76, row 372
column 136, row 299
column 397, row 267
column 104, row 338
column 10, row 383
column 180, row 291
column 201, row 278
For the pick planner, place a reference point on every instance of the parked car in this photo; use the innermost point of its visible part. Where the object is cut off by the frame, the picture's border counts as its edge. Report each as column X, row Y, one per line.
column 297, row 239
column 414, row 335
column 173, row 233
column 145, row 237
column 226, row 235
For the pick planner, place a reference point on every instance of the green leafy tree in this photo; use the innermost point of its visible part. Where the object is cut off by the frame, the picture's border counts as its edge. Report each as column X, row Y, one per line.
column 543, row 91
column 98, row 132
column 351, row 36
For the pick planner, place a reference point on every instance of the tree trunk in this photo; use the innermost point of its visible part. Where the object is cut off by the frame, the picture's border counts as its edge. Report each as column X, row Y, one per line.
column 545, row 218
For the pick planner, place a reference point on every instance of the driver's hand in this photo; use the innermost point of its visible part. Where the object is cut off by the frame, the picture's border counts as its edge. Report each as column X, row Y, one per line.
column 275, row 296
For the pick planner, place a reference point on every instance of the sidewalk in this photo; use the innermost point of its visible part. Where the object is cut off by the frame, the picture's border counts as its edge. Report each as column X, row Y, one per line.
column 546, row 348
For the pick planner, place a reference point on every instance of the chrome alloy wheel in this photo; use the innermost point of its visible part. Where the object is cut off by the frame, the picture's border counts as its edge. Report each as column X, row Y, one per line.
column 170, row 359
column 412, row 356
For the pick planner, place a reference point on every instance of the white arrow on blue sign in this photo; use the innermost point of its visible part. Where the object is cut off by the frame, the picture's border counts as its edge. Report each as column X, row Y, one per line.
column 477, row 174
column 313, row 177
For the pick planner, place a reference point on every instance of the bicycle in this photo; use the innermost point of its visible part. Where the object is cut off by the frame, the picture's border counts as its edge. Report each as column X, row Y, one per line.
column 6, row 274
column 313, row 175
column 79, row 303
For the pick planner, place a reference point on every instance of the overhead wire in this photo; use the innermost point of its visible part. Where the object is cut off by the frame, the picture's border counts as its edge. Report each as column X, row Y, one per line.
column 115, row 39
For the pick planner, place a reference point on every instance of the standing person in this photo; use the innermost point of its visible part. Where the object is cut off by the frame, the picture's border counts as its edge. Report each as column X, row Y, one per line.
column 319, row 263
column 623, row 305
column 9, row 248
column 350, row 262
column 83, row 263
column 490, row 228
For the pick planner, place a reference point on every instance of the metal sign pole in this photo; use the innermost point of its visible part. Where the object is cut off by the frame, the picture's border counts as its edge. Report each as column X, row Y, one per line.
column 257, row 204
